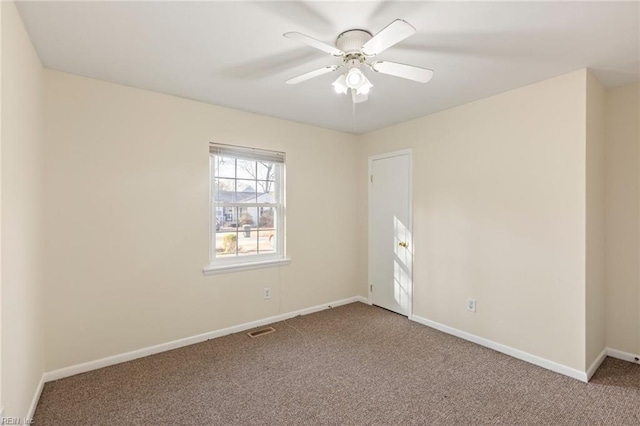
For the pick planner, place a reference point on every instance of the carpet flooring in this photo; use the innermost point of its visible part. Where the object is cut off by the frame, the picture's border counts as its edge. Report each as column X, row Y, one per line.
column 351, row 365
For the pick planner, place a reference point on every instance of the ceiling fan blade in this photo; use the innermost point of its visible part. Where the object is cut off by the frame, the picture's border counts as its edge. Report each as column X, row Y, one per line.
column 314, row 43
column 312, row 74
column 410, row 72
column 393, row 33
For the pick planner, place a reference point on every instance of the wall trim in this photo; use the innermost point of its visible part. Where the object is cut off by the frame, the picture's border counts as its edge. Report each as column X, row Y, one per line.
column 516, row 353
column 36, row 398
column 625, row 356
column 594, row 366
column 247, row 266
column 162, row 347
column 151, row 350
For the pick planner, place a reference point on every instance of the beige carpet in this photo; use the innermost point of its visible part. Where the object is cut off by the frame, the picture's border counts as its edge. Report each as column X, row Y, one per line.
column 355, row 364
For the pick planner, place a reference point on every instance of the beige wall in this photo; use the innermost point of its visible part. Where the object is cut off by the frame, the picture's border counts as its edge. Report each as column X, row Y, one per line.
column 127, row 192
column 22, row 213
column 499, row 215
column 595, row 226
column 622, row 219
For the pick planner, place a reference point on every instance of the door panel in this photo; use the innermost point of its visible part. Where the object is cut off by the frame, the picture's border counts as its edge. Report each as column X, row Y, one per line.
column 390, row 242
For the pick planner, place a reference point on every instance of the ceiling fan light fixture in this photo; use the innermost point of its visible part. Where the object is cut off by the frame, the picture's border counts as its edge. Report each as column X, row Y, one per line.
column 355, row 78
column 365, row 88
column 340, row 85
column 356, row 82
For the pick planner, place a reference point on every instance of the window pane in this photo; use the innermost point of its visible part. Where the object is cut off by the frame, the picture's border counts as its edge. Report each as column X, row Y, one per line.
column 230, row 219
column 224, row 190
column 248, row 231
column 266, row 170
column 225, row 167
column 246, row 191
column 226, row 243
column 267, row 230
column 246, row 169
column 266, row 191
column 218, row 217
column 248, row 216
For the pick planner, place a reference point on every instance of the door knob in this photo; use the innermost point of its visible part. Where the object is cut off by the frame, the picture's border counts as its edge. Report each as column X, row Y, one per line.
column 402, row 244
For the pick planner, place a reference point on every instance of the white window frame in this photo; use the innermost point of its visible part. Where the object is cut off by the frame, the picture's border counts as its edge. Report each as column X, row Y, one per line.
column 239, row 263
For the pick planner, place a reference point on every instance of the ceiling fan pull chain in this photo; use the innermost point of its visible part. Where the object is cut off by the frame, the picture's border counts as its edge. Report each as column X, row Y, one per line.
column 353, row 117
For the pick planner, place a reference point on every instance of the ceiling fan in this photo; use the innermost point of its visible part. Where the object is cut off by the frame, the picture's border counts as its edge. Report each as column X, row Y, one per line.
column 355, row 47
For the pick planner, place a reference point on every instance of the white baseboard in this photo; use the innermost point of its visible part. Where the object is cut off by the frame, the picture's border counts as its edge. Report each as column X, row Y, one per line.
column 516, row 353
column 594, row 366
column 625, row 356
column 36, row 398
column 151, row 350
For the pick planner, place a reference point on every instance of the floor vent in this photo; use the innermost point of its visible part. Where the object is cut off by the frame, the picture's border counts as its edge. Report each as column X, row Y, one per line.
column 261, row 332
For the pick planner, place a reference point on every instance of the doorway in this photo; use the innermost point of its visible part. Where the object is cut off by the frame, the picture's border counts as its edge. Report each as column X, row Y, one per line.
column 390, row 232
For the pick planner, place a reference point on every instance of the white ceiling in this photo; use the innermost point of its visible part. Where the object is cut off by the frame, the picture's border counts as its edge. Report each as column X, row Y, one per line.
column 233, row 53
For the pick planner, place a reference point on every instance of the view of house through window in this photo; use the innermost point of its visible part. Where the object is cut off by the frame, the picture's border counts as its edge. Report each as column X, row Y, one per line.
column 247, row 204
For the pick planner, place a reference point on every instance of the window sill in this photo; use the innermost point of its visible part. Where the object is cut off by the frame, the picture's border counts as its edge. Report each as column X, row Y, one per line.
column 223, row 269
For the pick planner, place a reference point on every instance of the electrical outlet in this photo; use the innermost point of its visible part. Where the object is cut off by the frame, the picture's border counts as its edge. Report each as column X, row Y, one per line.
column 267, row 293
column 471, row 305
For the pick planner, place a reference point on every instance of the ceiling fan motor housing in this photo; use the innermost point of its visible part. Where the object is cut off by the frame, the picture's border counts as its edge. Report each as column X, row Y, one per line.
column 351, row 41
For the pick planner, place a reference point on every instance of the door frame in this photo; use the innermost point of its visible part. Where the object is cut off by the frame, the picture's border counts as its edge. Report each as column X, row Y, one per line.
column 372, row 158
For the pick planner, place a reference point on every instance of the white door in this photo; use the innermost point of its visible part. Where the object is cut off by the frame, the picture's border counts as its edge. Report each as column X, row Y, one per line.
column 390, row 242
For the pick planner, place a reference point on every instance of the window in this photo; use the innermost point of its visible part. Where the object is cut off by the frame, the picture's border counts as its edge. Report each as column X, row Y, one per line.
column 247, row 208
